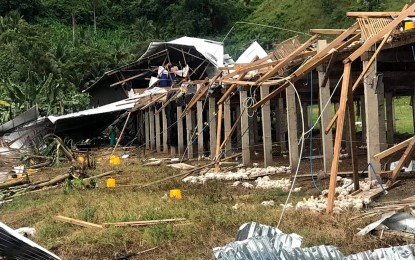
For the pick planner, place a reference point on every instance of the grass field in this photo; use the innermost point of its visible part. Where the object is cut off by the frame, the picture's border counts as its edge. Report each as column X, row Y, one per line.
column 211, row 220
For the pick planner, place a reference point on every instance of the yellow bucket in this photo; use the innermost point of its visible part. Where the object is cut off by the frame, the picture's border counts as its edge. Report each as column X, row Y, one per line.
column 176, row 194
column 409, row 25
column 115, row 160
column 110, row 183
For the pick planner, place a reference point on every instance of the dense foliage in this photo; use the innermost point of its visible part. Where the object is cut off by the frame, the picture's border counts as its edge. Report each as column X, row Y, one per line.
column 51, row 49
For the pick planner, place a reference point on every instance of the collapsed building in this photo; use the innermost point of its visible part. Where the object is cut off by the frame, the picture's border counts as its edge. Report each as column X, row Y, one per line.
column 187, row 98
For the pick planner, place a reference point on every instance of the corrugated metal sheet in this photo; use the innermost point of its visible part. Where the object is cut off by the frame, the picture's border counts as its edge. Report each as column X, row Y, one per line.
column 14, row 246
column 257, row 241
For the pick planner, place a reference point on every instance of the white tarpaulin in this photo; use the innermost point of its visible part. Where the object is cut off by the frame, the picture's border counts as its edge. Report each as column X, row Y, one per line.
column 249, row 54
column 124, row 104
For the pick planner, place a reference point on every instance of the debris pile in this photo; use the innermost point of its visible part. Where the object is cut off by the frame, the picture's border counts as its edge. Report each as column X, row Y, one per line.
column 257, row 241
column 241, row 174
column 342, row 202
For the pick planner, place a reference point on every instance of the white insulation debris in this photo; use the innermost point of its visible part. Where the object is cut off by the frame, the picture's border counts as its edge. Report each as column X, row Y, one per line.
column 343, row 201
column 241, row 174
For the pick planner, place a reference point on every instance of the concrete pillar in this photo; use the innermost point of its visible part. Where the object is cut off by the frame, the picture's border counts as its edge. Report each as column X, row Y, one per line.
column 246, row 154
column 292, row 128
column 158, row 139
column 200, row 126
column 238, row 128
column 212, row 126
column 180, row 140
column 189, row 134
column 152, row 132
column 382, row 117
column 282, row 123
column 266, row 128
column 363, row 117
column 147, row 129
column 389, row 119
column 227, row 124
column 324, row 98
column 165, row 131
column 372, row 117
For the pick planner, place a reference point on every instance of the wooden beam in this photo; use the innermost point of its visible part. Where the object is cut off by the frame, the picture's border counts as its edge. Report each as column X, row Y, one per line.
column 366, row 68
column 338, row 139
column 313, row 63
column 288, row 59
column 376, row 14
column 199, row 94
column 77, row 222
column 229, row 134
column 255, row 64
column 370, row 42
column 128, row 79
column 168, row 102
column 393, row 149
column 234, row 85
column 404, row 159
column 328, row 31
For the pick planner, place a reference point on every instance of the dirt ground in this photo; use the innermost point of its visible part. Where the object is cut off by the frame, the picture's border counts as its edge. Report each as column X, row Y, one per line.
column 212, row 221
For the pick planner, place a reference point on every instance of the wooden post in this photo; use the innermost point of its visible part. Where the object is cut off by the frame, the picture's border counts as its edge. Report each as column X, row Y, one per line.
column 347, row 135
column 212, row 126
column 147, row 129
column 189, row 133
column 165, row 131
column 218, row 136
column 389, row 119
column 246, row 154
column 152, row 137
column 292, row 128
column 227, row 124
column 180, row 131
column 324, row 98
column 338, row 139
column 158, row 141
column 200, row 127
column 372, row 118
column 266, row 128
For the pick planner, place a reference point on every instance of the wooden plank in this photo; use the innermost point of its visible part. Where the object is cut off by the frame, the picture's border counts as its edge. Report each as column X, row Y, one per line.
column 200, row 93
column 407, row 155
column 328, row 31
column 168, row 101
column 77, row 222
column 393, row 149
column 369, row 43
column 229, row 134
column 143, row 222
column 212, row 121
column 338, row 139
column 376, row 14
column 158, row 135
column 128, row 79
column 288, row 59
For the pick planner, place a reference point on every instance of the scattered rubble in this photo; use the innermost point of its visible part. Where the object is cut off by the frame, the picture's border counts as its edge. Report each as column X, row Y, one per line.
column 343, row 201
column 241, row 174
